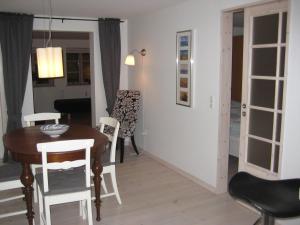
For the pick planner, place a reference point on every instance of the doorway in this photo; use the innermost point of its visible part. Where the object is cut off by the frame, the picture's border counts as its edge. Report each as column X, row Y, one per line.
column 263, row 88
column 236, row 92
column 70, row 95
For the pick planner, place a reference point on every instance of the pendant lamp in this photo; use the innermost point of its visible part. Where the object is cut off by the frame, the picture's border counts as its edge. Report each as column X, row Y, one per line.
column 49, row 59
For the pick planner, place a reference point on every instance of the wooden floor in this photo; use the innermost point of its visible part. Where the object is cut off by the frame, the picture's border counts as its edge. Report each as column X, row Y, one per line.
column 153, row 194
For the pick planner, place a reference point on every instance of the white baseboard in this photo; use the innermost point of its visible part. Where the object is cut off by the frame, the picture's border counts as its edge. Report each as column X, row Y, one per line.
column 181, row 172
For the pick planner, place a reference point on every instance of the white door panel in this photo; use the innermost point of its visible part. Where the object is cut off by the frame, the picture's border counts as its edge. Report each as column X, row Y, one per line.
column 263, row 89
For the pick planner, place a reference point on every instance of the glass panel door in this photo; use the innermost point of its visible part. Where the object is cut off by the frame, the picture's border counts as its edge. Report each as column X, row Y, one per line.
column 263, row 88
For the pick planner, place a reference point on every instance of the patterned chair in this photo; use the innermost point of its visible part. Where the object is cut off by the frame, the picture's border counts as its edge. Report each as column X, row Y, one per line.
column 125, row 111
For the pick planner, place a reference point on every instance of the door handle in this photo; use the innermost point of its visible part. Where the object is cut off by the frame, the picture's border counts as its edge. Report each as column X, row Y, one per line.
column 244, row 106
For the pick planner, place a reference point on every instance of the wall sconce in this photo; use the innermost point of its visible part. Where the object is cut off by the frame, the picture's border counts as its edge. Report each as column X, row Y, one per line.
column 130, row 61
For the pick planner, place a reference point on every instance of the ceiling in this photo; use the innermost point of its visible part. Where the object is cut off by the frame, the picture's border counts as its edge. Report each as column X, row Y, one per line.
column 86, row 8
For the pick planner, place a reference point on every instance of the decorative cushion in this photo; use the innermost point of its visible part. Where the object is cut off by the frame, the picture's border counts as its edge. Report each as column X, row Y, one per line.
column 125, row 111
column 10, row 172
column 62, row 182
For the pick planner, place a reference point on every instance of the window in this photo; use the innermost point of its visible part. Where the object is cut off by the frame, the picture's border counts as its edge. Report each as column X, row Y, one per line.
column 78, row 67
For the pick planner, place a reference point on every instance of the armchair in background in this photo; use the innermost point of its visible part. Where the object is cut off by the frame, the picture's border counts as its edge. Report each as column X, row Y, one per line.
column 126, row 112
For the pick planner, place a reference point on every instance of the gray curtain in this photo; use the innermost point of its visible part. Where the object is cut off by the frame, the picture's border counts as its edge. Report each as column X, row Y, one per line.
column 110, row 46
column 15, row 40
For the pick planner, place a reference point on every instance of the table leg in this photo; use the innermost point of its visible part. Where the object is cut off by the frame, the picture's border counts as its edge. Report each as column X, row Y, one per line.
column 27, row 180
column 97, row 170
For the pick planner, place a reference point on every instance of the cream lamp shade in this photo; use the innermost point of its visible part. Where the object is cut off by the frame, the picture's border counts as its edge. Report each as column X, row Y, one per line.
column 50, row 62
column 130, row 61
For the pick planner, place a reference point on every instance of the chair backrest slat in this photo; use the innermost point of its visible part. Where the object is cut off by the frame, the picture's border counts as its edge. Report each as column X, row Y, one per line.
column 65, row 146
column 66, row 165
column 32, row 118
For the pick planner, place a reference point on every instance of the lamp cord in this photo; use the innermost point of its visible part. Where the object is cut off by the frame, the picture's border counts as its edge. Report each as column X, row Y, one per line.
column 50, row 24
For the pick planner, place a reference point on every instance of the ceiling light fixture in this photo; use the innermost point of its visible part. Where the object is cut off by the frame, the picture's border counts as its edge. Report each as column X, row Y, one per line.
column 49, row 59
column 130, row 60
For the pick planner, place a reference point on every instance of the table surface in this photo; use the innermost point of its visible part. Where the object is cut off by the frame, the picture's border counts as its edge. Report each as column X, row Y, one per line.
column 22, row 143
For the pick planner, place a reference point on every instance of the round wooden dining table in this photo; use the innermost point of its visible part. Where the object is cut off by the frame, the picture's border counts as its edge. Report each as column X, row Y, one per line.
column 22, row 145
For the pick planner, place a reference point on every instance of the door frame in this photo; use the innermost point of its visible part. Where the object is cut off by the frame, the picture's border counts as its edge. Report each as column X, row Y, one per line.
column 225, row 92
column 225, row 97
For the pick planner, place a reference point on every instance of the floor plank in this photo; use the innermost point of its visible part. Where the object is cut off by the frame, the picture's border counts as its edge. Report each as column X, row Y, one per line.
column 152, row 194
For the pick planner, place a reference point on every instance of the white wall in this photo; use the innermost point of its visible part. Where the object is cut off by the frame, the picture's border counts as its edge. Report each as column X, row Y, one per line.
column 290, row 166
column 290, row 163
column 188, row 137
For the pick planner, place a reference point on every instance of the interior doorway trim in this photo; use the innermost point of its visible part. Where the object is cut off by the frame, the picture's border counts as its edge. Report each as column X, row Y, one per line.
column 225, row 95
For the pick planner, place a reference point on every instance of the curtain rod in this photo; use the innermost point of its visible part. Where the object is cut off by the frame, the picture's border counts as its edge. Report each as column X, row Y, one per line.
column 65, row 18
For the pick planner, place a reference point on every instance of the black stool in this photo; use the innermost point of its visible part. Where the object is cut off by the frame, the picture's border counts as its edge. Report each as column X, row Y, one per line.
column 274, row 199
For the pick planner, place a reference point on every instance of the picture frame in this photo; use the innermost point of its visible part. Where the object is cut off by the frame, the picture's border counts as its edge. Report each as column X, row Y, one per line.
column 184, row 68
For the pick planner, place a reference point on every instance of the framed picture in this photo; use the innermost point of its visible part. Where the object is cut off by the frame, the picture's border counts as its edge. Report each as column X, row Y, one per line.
column 183, row 70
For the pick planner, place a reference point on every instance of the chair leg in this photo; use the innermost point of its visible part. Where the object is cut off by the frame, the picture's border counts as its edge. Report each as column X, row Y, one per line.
column 33, row 169
column 122, row 150
column 5, row 155
column 82, row 209
column 268, row 220
column 115, row 186
column 47, row 213
column 89, row 210
column 103, row 184
column 40, row 200
column 258, row 221
column 134, row 145
column 118, row 143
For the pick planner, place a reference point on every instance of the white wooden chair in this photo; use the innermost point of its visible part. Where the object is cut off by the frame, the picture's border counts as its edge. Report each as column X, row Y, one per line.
column 32, row 118
column 109, row 157
column 70, row 183
column 30, row 121
column 10, row 179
